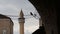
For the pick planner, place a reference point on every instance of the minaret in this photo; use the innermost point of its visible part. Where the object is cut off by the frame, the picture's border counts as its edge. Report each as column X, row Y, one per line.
column 21, row 22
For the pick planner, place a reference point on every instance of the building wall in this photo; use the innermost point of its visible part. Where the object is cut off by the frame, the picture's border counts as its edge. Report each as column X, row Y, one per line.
column 5, row 24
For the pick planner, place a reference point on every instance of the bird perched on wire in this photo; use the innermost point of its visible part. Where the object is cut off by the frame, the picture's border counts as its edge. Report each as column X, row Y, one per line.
column 34, row 15
column 31, row 13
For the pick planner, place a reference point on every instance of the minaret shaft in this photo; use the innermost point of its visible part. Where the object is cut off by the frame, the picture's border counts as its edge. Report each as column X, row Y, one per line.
column 21, row 28
column 21, row 22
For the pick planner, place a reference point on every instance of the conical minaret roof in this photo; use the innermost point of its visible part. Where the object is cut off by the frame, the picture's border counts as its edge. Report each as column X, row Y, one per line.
column 21, row 14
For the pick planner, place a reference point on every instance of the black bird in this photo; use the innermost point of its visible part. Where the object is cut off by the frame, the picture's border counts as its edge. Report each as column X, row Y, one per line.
column 31, row 13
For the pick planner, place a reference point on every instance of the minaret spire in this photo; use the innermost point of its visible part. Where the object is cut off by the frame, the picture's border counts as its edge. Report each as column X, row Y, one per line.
column 21, row 14
column 21, row 22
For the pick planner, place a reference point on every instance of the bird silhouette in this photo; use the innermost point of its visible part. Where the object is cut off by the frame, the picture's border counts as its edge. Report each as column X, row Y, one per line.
column 31, row 13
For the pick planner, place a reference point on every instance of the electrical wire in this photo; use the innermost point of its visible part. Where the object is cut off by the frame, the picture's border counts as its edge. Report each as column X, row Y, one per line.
column 25, row 16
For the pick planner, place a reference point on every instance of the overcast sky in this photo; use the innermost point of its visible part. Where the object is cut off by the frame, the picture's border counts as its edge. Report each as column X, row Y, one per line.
column 13, row 7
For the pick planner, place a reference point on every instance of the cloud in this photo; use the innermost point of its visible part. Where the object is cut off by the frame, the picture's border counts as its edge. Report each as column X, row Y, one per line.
column 16, row 27
column 16, row 32
column 31, row 24
column 9, row 8
column 13, row 7
column 27, row 32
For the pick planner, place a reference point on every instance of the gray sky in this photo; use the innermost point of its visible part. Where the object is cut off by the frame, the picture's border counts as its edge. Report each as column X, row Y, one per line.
column 13, row 7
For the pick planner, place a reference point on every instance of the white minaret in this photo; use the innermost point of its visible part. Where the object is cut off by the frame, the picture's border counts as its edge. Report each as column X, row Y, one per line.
column 21, row 22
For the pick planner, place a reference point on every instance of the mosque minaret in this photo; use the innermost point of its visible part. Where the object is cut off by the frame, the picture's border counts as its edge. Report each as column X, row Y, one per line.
column 21, row 22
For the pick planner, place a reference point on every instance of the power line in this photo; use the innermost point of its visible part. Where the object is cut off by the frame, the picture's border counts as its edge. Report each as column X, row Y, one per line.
column 16, row 17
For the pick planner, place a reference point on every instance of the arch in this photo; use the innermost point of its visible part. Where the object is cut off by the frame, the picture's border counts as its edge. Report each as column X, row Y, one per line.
column 47, row 10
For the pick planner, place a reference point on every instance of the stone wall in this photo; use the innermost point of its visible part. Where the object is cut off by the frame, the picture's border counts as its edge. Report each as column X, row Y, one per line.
column 5, row 24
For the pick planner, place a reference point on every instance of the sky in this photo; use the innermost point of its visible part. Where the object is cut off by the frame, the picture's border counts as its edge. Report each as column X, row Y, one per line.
column 12, row 8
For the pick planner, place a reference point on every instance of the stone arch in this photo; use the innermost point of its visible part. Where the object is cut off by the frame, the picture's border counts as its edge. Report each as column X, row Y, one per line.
column 47, row 10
